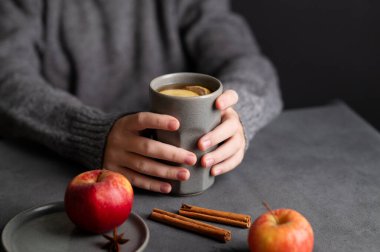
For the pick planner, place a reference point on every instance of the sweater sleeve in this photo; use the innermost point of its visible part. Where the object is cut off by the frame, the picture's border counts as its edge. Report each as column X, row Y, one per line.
column 32, row 108
column 220, row 43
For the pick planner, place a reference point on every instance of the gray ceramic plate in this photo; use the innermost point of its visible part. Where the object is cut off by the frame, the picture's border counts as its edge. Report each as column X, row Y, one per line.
column 47, row 228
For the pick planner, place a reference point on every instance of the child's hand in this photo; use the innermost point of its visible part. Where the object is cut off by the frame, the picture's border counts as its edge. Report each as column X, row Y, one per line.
column 133, row 155
column 230, row 133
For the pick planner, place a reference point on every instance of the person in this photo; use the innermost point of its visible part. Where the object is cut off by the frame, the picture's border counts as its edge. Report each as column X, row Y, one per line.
column 74, row 76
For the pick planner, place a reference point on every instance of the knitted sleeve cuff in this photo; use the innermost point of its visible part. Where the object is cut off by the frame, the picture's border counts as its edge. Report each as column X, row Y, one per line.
column 255, row 109
column 87, row 136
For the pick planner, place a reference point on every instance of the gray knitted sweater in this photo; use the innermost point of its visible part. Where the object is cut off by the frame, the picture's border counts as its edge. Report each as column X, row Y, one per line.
column 69, row 68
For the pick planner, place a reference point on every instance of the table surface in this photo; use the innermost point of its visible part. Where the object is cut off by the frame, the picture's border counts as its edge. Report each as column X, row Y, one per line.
column 324, row 162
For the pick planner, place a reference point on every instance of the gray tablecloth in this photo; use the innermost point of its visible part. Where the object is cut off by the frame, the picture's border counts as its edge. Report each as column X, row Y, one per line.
column 323, row 162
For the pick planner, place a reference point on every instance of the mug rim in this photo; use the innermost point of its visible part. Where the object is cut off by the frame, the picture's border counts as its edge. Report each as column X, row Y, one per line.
column 170, row 75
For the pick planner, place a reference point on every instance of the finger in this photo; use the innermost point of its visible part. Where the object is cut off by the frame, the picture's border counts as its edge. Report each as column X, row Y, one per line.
column 229, row 111
column 110, row 166
column 153, row 168
column 227, row 99
column 223, row 152
column 145, row 182
column 223, row 131
column 148, row 120
column 229, row 164
column 155, row 149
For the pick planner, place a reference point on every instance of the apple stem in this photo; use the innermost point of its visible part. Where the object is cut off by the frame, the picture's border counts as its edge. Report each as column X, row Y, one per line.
column 266, row 205
column 99, row 176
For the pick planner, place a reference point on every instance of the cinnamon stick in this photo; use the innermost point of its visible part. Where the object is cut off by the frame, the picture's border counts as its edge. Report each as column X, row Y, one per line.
column 229, row 218
column 190, row 224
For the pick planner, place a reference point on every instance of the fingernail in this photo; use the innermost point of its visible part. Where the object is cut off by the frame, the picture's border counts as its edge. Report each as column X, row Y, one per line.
column 165, row 188
column 221, row 105
column 206, row 143
column 173, row 125
column 190, row 159
column 183, row 175
column 216, row 172
column 209, row 162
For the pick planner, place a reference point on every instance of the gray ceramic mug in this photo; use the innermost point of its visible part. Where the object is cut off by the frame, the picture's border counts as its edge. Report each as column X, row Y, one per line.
column 197, row 116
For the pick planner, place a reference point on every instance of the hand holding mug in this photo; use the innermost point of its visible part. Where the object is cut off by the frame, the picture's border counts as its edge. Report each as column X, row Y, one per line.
column 229, row 134
column 134, row 156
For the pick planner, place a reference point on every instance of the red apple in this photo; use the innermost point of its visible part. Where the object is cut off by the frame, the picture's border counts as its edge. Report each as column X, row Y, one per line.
column 98, row 200
column 281, row 230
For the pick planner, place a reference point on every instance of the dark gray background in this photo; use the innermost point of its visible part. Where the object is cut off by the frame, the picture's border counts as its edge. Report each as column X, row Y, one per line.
column 323, row 50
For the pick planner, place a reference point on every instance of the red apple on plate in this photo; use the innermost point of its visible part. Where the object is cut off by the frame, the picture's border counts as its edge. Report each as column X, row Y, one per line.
column 98, row 200
column 281, row 230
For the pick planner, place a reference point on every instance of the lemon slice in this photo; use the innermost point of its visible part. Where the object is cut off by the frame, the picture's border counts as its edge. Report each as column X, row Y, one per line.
column 179, row 92
column 198, row 89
